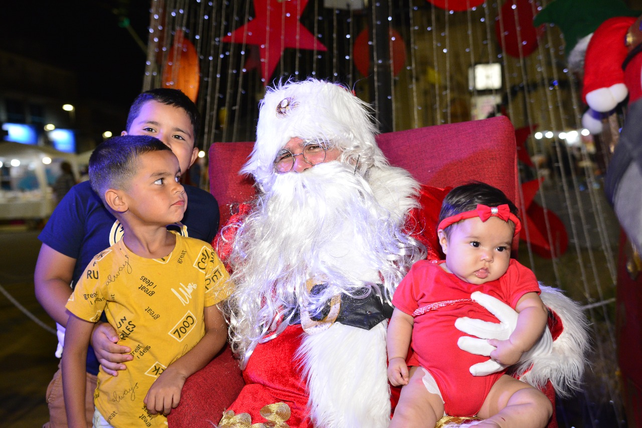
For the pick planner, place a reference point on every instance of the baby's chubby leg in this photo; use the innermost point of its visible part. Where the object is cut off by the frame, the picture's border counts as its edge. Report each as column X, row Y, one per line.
column 512, row 403
column 420, row 403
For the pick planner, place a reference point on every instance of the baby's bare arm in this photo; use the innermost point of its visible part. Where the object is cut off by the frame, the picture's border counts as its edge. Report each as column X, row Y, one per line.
column 398, row 341
column 531, row 323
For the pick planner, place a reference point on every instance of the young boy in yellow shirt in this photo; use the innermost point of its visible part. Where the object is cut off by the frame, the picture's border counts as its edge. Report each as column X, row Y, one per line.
column 158, row 289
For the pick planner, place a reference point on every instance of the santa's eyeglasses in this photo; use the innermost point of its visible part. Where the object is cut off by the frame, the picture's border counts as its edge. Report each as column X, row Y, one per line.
column 313, row 153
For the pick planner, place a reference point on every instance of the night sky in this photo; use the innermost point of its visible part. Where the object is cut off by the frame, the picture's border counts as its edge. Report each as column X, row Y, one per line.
column 83, row 36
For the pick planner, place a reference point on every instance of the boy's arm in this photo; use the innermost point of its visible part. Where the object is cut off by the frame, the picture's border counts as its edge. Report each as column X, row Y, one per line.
column 74, row 360
column 398, row 342
column 165, row 393
column 531, row 323
column 52, row 278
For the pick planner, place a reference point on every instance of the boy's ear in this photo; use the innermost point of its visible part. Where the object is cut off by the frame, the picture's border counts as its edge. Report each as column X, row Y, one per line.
column 443, row 240
column 115, row 200
column 194, row 157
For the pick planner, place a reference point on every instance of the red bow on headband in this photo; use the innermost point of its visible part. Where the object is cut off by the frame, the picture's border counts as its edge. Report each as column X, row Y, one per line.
column 485, row 212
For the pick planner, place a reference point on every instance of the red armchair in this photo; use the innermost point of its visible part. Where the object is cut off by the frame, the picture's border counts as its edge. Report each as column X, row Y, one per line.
column 440, row 156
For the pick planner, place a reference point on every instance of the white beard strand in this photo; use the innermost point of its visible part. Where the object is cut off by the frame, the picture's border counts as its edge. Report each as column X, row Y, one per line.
column 323, row 225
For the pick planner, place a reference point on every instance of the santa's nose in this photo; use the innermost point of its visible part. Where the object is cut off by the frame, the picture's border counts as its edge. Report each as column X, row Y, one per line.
column 300, row 163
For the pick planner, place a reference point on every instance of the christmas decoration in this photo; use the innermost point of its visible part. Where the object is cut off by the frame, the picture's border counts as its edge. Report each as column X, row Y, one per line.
column 515, row 20
column 182, row 70
column 594, row 32
column 275, row 27
column 456, row 5
column 362, row 51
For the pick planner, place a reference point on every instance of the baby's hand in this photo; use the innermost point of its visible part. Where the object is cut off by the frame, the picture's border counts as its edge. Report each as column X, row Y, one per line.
column 165, row 393
column 505, row 352
column 397, row 372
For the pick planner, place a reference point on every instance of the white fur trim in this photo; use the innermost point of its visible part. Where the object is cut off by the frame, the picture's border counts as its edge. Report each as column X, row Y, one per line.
column 346, row 372
column 564, row 365
column 576, row 56
column 395, row 189
column 606, row 99
column 591, row 123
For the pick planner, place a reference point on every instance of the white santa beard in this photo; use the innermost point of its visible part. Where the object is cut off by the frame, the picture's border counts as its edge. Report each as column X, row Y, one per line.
column 324, row 225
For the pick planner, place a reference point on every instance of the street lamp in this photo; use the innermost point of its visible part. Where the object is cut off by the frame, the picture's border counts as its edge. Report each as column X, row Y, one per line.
column 72, row 113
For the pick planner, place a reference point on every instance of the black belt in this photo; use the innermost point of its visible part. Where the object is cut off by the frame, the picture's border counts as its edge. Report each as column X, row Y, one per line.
column 356, row 311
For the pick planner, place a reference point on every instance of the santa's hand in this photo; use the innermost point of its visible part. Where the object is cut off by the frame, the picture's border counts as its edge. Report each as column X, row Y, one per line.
column 489, row 330
column 486, row 330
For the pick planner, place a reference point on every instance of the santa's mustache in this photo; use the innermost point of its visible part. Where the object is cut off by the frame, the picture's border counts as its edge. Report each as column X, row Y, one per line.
column 321, row 179
column 324, row 198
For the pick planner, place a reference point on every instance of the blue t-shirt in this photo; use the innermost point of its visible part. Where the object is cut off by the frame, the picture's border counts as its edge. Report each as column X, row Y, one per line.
column 81, row 227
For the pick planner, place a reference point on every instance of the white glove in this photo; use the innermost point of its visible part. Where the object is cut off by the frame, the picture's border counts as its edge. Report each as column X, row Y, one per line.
column 486, row 330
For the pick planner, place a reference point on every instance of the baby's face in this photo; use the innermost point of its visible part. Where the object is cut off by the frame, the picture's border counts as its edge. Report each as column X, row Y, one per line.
column 477, row 251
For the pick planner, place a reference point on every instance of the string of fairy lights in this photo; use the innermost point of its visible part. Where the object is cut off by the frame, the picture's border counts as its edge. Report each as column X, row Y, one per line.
column 433, row 86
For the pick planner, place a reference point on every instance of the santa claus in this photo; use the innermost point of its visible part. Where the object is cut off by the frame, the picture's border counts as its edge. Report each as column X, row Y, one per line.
column 316, row 258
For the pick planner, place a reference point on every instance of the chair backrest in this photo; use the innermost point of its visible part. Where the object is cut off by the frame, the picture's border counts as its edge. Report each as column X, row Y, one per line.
column 440, row 156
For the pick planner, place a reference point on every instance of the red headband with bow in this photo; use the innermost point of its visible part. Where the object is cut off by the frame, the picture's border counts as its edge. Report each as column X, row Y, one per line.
column 484, row 213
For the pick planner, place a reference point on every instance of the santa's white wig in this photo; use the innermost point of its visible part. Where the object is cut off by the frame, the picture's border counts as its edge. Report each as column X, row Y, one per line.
column 313, row 110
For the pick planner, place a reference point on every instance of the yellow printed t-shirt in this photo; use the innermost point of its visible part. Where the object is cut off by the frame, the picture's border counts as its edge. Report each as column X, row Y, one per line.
column 156, row 306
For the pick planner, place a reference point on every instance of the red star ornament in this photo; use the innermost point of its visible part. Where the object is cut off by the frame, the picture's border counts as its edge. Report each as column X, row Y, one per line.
column 521, row 135
column 275, row 27
column 534, row 218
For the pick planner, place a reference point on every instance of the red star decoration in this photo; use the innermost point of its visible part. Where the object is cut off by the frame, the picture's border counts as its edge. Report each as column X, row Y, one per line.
column 521, row 135
column 534, row 218
column 275, row 27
